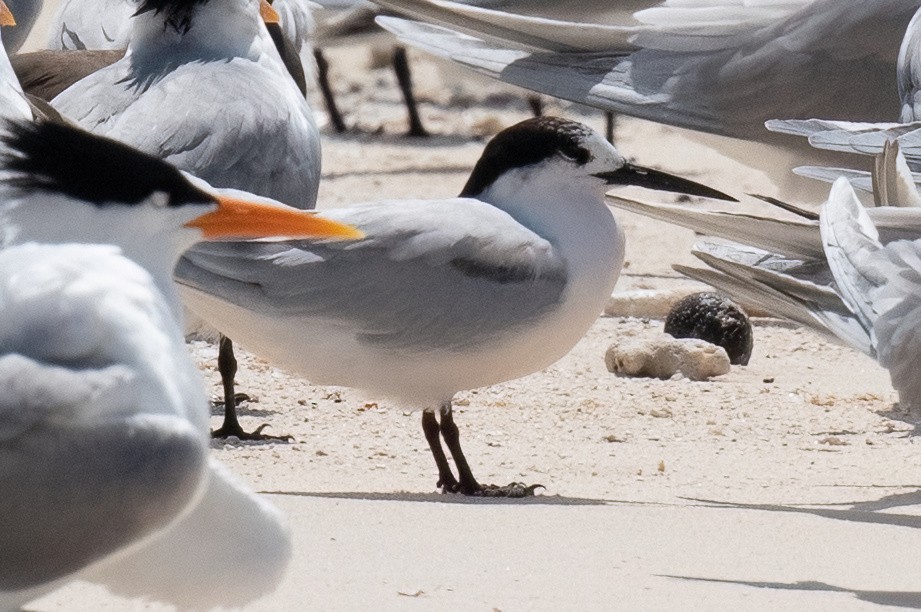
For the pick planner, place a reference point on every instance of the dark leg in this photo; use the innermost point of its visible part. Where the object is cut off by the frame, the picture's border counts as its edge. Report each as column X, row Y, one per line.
column 537, row 104
column 227, row 366
column 401, row 68
column 446, row 479
column 335, row 117
column 467, row 484
column 609, row 121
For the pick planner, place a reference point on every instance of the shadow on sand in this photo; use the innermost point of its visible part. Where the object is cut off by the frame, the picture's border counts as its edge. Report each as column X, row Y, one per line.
column 441, row 498
column 903, row 599
column 858, row 512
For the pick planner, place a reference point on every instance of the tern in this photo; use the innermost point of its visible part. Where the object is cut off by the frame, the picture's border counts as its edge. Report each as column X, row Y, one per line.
column 104, row 437
column 443, row 295
column 182, row 59
column 720, row 68
column 202, row 87
column 87, row 36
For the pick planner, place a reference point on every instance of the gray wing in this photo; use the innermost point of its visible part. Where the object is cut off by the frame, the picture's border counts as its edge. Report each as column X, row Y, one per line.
column 859, row 138
column 806, row 62
column 102, row 420
column 76, row 486
column 793, row 238
column 232, row 123
column 776, row 265
column 443, row 274
column 897, row 330
column 909, row 71
column 891, row 182
column 859, row 179
column 880, row 283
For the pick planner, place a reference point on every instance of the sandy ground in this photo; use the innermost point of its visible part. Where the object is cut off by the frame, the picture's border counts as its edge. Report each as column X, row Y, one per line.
column 792, row 483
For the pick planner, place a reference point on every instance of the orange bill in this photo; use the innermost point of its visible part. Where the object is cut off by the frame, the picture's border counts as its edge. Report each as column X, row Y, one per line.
column 268, row 14
column 242, row 220
column 6, row 16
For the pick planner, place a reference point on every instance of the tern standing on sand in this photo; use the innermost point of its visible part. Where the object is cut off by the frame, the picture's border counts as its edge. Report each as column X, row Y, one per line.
column 443, row 295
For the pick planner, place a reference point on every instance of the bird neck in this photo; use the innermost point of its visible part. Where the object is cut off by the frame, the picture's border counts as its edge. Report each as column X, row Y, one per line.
column 558, row 208
column 212, row 35
column 142, row 237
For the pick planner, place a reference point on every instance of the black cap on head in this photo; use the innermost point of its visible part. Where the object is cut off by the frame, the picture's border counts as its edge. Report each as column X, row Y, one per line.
column 177, row 13
column 58, row 158
column 524, row 144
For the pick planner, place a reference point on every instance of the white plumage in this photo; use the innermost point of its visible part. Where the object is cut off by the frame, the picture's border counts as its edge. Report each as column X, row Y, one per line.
column 441, row 295
column 104, row 469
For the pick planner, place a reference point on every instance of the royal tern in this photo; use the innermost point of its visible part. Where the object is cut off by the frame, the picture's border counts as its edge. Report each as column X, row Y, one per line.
column 87, row 36
column 718, row 67
column 443, row 295
column 104, row 437
column 202, row 87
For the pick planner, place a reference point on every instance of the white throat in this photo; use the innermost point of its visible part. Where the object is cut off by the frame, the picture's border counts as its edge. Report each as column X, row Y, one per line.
column 151, row 237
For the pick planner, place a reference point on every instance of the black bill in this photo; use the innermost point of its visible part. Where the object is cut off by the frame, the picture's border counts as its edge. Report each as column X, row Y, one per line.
column 630, row 174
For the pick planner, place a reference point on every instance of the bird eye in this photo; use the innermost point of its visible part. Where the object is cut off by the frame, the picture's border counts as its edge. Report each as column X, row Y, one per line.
column 576, row 155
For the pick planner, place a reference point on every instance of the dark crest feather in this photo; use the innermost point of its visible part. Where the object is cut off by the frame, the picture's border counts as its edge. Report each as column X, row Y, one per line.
column 58, row 158
column 526, row 143
column 177, row 14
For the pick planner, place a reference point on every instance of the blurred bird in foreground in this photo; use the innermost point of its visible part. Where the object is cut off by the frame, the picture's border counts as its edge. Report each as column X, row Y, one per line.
column 105, row 472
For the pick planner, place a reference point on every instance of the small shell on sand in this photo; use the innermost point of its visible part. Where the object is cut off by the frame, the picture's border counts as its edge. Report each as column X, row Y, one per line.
column 664, row 356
